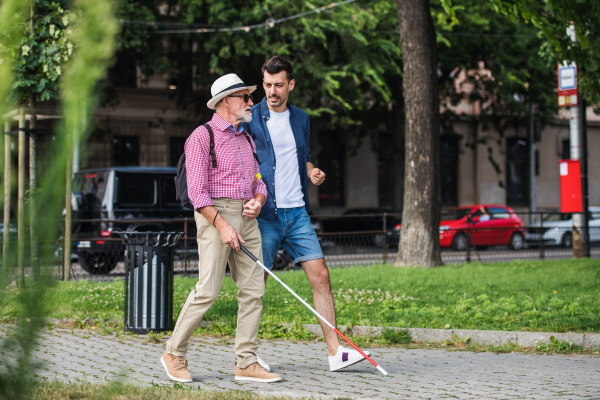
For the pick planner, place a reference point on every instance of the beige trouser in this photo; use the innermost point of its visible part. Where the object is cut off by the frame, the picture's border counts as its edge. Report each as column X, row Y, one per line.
column 247, row 275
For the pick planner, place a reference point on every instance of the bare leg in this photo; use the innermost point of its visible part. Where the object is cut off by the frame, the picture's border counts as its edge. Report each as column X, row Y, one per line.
column 318, row 276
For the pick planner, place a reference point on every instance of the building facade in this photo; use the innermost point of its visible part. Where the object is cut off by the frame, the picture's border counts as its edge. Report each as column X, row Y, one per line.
column 149, row 128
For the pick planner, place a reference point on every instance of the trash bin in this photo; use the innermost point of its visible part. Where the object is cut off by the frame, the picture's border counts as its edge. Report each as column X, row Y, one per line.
column 149, row 280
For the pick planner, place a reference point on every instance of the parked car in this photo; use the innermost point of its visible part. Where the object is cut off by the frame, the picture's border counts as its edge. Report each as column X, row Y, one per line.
column 12, row 231
column 365, row 220
column 488, row 224
column 130, row 194
column 558, row 229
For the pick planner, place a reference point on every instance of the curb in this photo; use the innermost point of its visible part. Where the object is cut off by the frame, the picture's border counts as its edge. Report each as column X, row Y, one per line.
column 589, row 341
column 494, row 338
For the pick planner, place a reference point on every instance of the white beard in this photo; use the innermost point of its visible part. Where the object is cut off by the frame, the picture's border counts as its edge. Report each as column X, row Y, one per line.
column 246, row 117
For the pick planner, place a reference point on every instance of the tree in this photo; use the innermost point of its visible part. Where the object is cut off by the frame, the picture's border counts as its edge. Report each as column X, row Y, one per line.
column 419, row 243
column 41, row 52
column 552, row 19
column 340, row 63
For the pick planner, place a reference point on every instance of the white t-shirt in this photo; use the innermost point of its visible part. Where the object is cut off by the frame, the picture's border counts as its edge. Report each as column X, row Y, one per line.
column 288, row 190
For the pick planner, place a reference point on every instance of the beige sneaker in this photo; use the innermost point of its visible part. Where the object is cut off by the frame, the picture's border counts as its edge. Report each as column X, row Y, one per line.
column 176, row 367
column 255, row 372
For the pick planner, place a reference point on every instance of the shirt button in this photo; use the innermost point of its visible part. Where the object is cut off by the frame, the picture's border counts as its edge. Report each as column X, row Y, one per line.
column 273, row 167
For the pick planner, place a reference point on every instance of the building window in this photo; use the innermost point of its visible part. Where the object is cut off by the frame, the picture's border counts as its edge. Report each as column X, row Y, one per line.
column 124, row 73
column 566, row 149
column 449, row 169
column 517, row 171
column 126, row 151
column 537, row 163
column 176, row 150
column 331, row 160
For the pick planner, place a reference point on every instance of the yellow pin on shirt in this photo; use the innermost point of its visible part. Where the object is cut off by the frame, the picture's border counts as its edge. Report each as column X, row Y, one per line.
column 256, row 178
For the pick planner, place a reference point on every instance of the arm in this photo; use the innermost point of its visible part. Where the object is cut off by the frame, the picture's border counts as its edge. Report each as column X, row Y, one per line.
column 259, row 191
column 197, row 160
column 315, row 174
column 229, row 235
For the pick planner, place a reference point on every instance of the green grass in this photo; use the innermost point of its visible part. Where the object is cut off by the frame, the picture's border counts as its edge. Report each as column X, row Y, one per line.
column 553, row 296
column 84, row 391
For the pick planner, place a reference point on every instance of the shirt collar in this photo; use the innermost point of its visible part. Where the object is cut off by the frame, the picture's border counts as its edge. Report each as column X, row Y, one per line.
column 223, row 125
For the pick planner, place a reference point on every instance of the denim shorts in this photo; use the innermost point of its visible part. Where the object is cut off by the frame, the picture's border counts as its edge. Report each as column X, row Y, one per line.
column 293, row 230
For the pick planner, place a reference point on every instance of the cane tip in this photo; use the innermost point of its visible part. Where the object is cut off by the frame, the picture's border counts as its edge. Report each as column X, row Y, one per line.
column 381, row 370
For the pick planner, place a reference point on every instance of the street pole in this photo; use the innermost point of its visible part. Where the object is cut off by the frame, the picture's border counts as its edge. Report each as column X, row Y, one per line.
column 21, row 201
column 35, row 262
column 584, row 180
column 7, row 177
column 67, row 236
column 576, row 138
column 532, row 186
column 578, row 152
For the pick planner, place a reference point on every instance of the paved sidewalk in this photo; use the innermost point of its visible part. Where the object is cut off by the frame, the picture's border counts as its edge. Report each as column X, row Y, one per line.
column 83, row 355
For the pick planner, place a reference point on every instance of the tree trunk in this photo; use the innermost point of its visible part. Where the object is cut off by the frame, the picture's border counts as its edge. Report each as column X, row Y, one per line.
column 419, row 244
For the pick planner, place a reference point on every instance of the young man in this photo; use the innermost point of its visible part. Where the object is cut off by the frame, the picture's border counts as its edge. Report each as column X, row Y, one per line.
column 281, row 133
column 227, row 198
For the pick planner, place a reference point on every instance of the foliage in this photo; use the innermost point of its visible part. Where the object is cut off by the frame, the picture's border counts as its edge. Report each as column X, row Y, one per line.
column 88, row 391
column 16, row 346
column 155, row 337
column 471, row 296
column 552, row 19
column 11, row 19
column 556, row 346
column 396, row 336
column 41, row 53
column 340, row 65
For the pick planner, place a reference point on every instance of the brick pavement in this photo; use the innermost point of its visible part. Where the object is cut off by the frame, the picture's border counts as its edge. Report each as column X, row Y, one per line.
column 84, row 355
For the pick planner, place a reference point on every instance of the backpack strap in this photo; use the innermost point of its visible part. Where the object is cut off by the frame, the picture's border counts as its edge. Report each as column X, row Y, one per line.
column 253, row 152
column 213, row 155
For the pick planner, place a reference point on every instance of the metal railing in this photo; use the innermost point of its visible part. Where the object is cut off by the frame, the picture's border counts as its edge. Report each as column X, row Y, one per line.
column 357, row 242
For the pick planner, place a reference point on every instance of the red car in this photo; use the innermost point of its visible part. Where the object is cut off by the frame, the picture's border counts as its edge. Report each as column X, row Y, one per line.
column 488, row 224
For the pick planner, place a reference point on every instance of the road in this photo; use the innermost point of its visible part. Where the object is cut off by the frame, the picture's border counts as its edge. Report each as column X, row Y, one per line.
column 346, row 256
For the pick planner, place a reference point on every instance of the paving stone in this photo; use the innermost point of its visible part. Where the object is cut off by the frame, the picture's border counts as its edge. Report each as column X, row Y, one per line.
column 413, row 373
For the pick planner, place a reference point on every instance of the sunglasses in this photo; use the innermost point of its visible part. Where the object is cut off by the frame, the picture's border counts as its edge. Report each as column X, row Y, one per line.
column 247, row 97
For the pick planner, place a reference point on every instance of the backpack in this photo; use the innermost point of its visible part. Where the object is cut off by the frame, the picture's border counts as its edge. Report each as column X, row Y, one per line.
column 181, row 189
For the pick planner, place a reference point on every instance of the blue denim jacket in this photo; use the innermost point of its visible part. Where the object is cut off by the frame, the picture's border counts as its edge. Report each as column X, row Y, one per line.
column 264, row 148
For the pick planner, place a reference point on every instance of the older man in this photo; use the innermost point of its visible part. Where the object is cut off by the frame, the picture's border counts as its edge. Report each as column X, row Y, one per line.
column 225, row 188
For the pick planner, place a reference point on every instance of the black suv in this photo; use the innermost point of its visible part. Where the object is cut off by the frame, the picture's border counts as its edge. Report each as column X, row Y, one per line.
column 130, row 194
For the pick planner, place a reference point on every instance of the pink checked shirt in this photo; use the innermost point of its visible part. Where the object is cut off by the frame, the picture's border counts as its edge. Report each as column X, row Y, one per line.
column 236, row 167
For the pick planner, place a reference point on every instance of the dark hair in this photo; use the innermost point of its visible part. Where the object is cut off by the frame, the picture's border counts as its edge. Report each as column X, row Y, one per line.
column 276, row 64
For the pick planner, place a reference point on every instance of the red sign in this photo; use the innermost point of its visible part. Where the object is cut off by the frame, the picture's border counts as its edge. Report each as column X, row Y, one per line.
column 567, row 85
column 570, row 186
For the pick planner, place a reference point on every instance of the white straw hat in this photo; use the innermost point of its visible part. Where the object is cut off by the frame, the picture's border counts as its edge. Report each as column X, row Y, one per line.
column 226, row 85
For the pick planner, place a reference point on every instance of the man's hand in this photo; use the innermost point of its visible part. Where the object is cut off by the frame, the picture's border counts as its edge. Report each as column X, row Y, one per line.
column 252, row 208
column 230, row 236
column 317, row 176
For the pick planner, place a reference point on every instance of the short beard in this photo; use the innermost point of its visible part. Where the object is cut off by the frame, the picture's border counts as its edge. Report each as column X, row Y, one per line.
column 246, row 117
